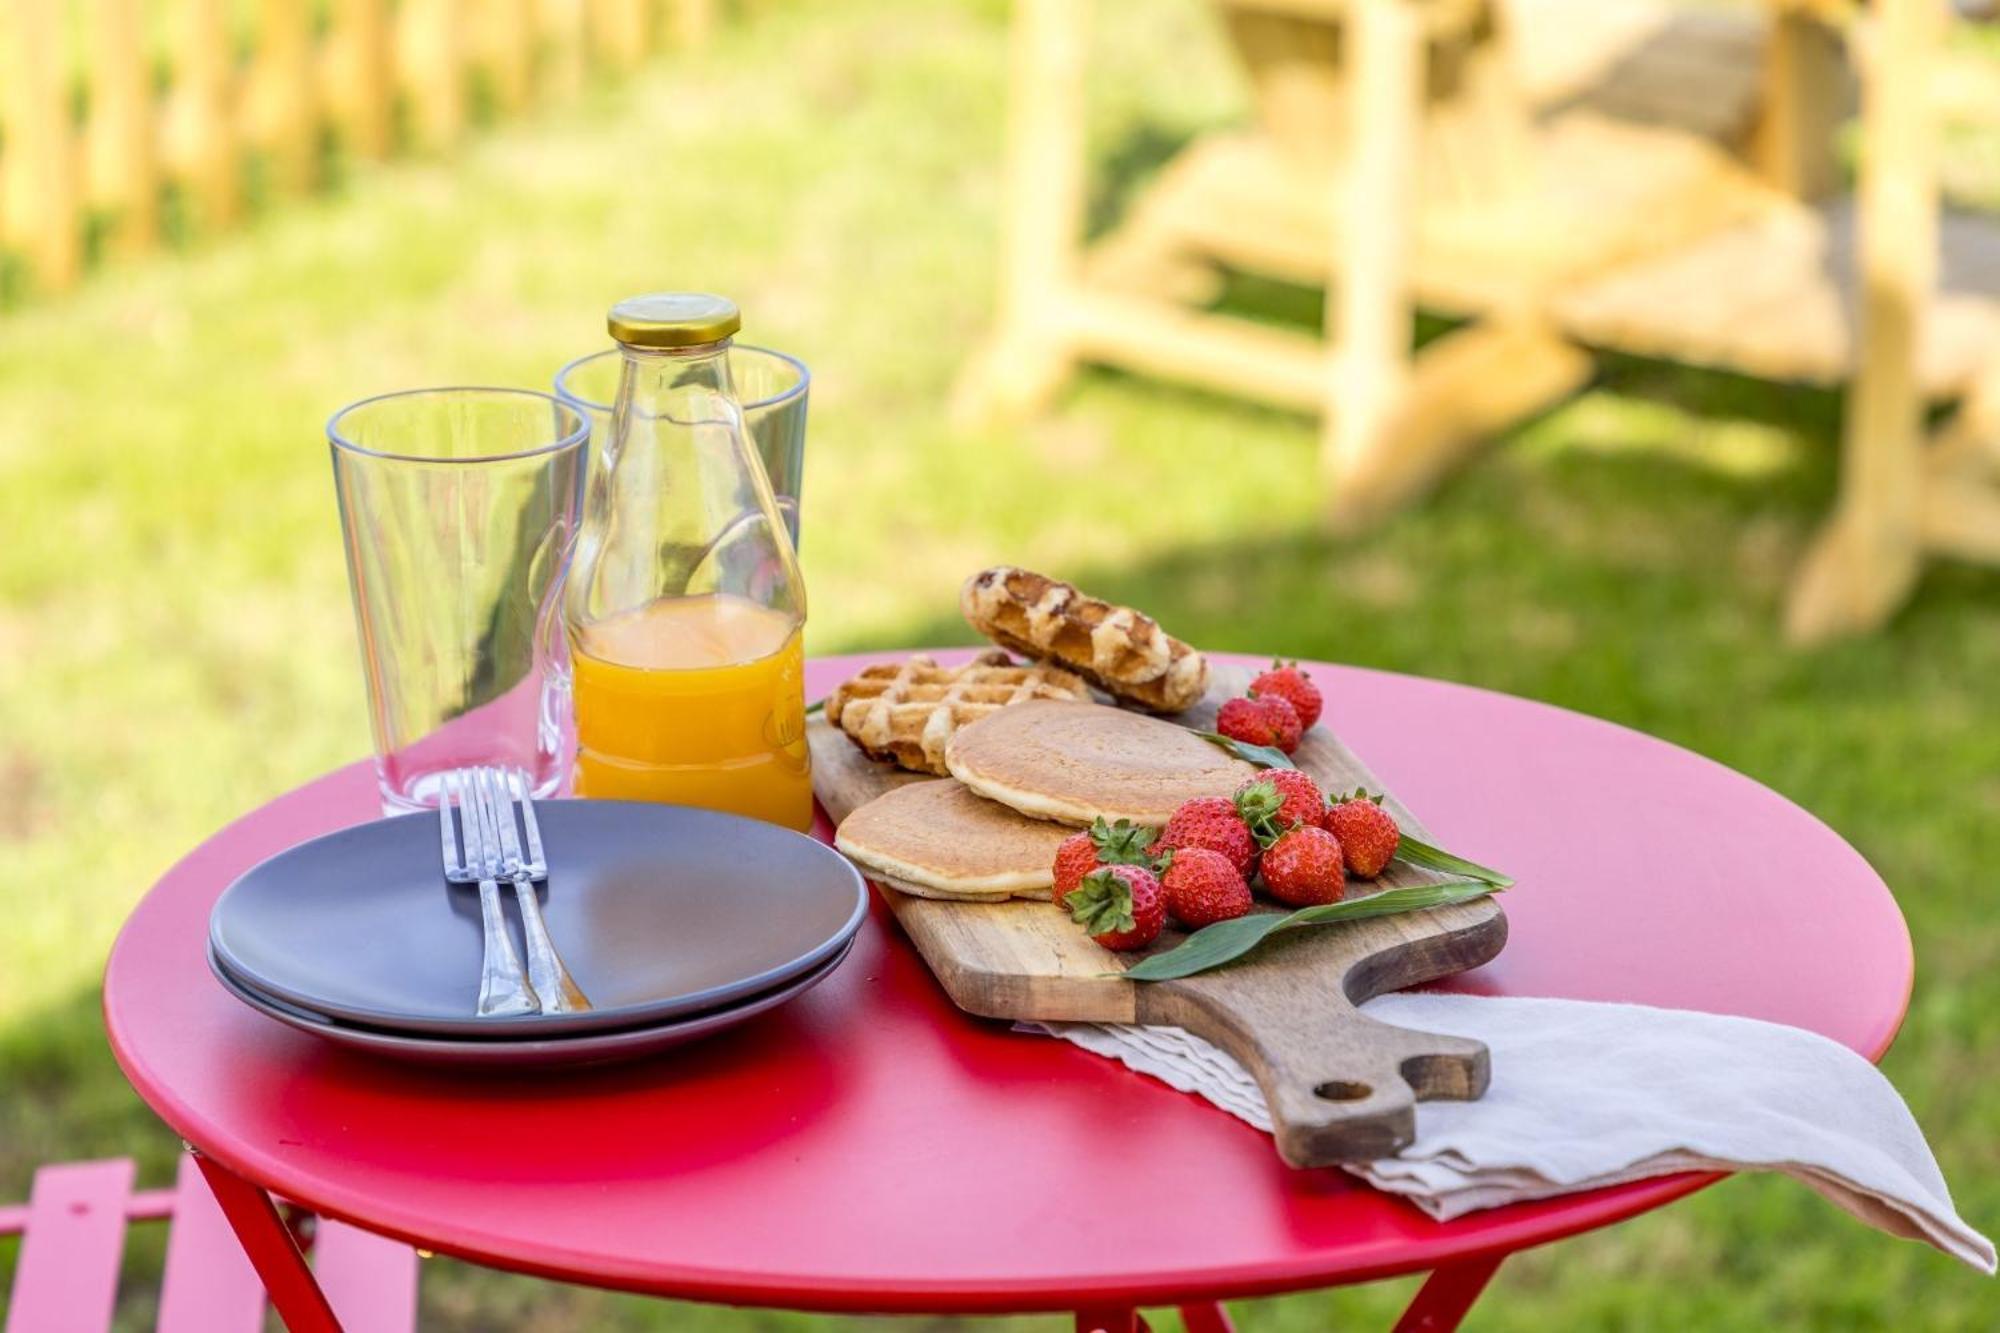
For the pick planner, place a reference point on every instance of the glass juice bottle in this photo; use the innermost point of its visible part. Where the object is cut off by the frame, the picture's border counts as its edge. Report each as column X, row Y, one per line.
column 684, row 606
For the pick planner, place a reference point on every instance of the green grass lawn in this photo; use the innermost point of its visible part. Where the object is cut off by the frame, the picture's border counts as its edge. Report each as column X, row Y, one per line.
column 176, row 645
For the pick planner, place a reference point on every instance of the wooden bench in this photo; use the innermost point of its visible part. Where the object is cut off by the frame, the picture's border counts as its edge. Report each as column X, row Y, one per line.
column 73, row 1239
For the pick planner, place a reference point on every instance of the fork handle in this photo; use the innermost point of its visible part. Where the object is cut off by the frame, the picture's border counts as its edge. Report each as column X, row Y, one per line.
column 503, row 988
column 545, row 966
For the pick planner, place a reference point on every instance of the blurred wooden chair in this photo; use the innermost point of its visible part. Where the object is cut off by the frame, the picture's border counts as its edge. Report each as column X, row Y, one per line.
column 1404, row 153
column 1555, row 174
column 73, row 1238
column 1874, row 290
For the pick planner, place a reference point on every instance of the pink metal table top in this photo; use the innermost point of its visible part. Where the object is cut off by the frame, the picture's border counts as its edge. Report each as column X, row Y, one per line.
column 870, row 1148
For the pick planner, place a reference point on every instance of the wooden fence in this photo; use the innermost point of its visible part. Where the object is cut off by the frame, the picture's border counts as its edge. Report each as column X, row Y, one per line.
column 111, row 109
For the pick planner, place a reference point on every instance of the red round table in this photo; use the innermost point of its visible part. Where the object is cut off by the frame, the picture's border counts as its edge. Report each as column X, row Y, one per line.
column 869, row 1148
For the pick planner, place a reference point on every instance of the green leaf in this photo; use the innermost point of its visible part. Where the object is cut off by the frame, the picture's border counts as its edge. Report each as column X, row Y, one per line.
column 1211, row 946
column 1264, row 756
column 1226, row 941
column 1410, row 851
column 819, row 707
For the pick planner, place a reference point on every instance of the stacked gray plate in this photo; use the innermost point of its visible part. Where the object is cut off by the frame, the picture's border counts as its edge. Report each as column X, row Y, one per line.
column 676, row 923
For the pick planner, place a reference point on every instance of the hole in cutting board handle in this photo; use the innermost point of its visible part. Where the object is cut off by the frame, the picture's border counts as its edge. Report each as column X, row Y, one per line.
column 1339, row 1090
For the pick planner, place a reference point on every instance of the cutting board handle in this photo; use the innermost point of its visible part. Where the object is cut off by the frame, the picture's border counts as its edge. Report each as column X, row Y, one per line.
column 1340, row 1086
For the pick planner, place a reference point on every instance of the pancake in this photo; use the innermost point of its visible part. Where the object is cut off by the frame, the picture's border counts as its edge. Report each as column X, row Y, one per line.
column 937, row 840
column 1076, row 762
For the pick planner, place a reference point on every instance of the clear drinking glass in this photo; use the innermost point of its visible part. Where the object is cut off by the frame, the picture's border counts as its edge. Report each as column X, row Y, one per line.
column 458, row 510
column 771, row 386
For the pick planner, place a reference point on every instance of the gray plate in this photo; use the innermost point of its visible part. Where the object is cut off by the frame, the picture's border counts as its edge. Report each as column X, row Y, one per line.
column 502, row 1053
column 660, row 911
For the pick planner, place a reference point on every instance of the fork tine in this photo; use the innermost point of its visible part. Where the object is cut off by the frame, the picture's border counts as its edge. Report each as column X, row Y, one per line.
column 473, row 809
column 499, row 805
column 518, row 788
column 452, row 864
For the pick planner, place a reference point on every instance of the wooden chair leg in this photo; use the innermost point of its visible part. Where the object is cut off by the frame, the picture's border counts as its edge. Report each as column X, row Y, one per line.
column 1865, row 561
column 1464, row 389
column 1030, row 353
column 1370, row 322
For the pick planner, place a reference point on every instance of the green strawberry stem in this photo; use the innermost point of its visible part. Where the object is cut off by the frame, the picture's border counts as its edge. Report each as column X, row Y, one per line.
column 1123, row 843
column 819, row 707
column 1101, row 902
column 1226, row 941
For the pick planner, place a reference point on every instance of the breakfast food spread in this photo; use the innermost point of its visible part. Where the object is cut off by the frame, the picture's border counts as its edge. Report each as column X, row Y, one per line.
column 938, row 840
column 1119, row 650
column 1078, row 762
column 1176, row 824
column 904, row 713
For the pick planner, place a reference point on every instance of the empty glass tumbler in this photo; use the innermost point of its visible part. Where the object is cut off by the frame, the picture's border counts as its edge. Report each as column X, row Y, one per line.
column 458, row 510
column 771, row 388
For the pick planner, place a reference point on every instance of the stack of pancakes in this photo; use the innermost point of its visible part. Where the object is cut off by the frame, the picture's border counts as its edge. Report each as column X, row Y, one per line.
column 1022, row 779
column 1024, row 756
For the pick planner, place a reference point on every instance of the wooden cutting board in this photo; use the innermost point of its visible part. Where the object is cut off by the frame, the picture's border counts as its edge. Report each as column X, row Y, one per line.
column 1340, row 1086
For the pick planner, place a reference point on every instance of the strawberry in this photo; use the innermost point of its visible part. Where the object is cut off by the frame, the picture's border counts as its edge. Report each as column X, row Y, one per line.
column 1277, row 799
column 1123, row 843
column 1368, row 833
column 1212, row 823
column 1268, row 720
column 1294, row 686
column 1122, row 906
column 1303, row 868
column 1076, row 856
column 1203, row 888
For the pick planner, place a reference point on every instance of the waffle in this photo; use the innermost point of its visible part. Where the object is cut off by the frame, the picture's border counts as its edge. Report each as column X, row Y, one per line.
column 1123, row 652
column 905, row 713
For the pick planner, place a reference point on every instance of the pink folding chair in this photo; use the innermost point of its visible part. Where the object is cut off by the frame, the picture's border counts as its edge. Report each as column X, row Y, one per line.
column 73, row 1235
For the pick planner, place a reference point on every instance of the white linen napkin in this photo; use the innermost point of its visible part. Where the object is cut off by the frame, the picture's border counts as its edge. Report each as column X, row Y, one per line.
column 1587, row 1094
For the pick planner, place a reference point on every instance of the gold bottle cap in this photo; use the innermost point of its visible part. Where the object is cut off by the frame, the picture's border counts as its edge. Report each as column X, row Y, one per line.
column 674, row 319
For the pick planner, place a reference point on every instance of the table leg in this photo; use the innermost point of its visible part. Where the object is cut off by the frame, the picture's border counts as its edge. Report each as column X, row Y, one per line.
column 1206, row 1317
column 1445, row 1297
column 273, row 1251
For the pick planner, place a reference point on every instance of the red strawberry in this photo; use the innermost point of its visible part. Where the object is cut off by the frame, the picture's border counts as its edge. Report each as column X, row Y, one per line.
column 1123, row 843
column 1076, row 856
column 1368, row 833
column 1284, row 721
column 1303, row 868
column 1122, row 906
column 1278, row 798
column 1266, row 721
column 1203, row 888
column 1294, row 686
column 1212, row 823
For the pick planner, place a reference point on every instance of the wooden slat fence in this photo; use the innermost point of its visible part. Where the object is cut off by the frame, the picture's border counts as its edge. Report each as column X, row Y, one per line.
column 110, row 110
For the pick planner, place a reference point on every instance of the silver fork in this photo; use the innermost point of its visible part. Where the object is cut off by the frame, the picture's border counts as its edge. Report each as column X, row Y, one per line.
column 500, row 791
column 503, row 986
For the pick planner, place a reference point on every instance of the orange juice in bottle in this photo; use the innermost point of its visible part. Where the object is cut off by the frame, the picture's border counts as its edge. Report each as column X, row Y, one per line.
column 685, row 608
